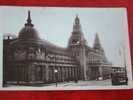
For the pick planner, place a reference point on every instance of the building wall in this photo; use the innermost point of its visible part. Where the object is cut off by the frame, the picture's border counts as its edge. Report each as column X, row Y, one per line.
column 97, row 66
column 29, row 59
column 36, row 64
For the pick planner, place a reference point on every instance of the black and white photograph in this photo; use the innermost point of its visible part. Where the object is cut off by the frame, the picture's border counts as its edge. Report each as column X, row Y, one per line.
column 64, row 48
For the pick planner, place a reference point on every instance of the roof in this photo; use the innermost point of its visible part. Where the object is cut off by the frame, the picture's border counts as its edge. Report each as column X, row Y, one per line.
column 29, row 33
column 42, row 43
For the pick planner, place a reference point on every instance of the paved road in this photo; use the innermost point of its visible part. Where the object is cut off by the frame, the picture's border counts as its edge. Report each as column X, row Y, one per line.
column 72, row 83
column 89, row 83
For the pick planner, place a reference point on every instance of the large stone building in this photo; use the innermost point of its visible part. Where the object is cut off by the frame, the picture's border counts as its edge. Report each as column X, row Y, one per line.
column 29, row 59
column 93, row 62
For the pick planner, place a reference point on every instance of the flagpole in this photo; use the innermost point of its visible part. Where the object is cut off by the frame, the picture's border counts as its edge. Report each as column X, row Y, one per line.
column 125, row 63
column 124, row 58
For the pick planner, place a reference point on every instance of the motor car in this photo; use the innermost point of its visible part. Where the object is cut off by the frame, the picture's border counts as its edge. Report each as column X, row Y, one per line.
column 119, row 78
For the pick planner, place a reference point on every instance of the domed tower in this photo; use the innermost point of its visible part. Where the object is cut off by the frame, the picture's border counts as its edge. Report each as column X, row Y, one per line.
column 76, row 45
column 28, row 36
column 26, row 50
column 28, row 40
column 28, row 32
column 77, row 36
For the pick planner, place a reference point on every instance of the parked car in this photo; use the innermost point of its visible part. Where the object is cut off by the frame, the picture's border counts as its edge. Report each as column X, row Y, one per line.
column 119, row 78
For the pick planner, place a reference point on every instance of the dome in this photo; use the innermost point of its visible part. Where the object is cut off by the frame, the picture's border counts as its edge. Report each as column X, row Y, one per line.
column 28, row 32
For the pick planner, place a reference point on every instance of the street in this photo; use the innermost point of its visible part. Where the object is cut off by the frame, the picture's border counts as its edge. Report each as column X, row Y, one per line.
column 71, row 83
column 90, row 83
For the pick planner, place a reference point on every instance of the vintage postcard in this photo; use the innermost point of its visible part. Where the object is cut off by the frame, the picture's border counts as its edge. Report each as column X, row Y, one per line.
column 64, row 48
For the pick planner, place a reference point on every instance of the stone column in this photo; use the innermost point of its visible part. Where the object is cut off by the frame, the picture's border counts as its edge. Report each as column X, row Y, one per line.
column 43, row 73
column 58, row 73
column 47, row 72
column 52, row 73
column 100, row 71
column 89, row 75
column 74, row 73
column 62, row 75
column 31, row 73
column 68, row 73
column 71, row 73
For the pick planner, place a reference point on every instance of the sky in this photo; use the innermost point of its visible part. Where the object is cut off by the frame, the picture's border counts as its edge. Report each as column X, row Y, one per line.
column 55, row 25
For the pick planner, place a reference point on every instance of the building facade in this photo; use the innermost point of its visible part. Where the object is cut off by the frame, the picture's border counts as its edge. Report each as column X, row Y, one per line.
column 29, row 59
column 93, row 61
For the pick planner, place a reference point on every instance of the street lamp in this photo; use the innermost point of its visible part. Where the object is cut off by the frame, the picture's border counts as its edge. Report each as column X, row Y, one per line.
column 53, row 57
column 56, row 73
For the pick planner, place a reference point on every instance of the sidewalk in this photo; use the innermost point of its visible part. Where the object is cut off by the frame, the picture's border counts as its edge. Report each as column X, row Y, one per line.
column 71, row 83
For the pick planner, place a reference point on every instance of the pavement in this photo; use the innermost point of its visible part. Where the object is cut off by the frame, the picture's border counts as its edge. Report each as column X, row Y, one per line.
column 72, row 83
column 89, row 83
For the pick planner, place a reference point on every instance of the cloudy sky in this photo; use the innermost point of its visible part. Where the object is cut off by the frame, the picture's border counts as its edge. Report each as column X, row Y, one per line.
column 55, row 25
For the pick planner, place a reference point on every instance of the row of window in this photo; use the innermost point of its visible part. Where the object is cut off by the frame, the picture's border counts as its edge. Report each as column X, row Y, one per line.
column 21, row 55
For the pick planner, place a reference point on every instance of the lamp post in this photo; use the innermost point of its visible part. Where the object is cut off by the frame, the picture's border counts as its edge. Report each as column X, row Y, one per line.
column 53, row 57
column 56, row 73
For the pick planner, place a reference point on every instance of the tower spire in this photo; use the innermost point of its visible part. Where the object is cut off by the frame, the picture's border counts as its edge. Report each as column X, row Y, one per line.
column 76, row 25
column 97, row 44
column 77, row 21
column 29, row 20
